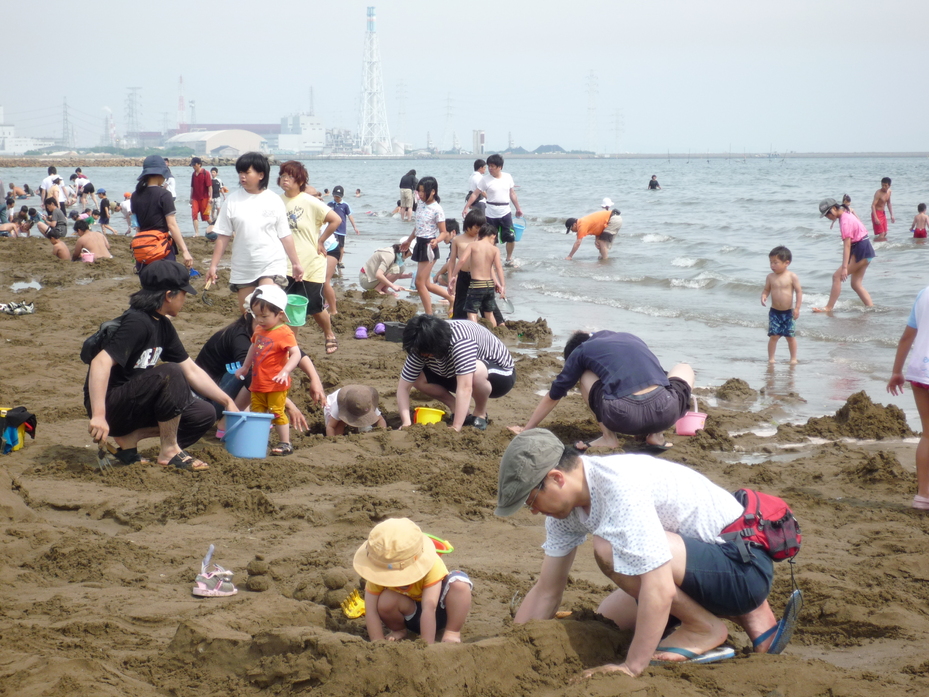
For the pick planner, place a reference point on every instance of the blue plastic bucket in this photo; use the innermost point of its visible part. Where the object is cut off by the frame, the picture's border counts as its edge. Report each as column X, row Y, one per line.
column 247, row 433
column 519, row 227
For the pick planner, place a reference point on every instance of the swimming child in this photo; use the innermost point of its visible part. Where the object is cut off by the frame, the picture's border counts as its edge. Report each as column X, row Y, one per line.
column 782, row 285
column 275, row 354
column 916, row 336
column 408, row 587
column 920, row 222
column 357, row 193
column 352, row 405
column 486, row 275
column 428, row 232
column 857, row 253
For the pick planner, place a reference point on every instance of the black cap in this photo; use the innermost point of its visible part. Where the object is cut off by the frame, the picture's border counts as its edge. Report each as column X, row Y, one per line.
column 338, row 191
column 569, row 223
column 166, row 275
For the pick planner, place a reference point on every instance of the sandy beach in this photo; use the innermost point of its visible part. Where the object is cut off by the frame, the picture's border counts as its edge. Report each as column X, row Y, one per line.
column 96, row 568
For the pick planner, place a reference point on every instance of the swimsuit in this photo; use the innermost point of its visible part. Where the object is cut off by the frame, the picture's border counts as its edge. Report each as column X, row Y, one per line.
column 781, row 323
column 879, row 222
column 919, row 232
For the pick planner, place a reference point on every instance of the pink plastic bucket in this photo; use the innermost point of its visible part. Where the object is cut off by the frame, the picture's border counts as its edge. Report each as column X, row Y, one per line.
column 690, row 423
column 87, row 257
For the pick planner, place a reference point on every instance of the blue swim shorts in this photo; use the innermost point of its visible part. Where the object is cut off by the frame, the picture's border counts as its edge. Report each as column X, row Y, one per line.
column 781, row 323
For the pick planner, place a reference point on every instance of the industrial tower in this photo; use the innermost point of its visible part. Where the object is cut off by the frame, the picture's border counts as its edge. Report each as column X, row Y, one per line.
column 375, row 134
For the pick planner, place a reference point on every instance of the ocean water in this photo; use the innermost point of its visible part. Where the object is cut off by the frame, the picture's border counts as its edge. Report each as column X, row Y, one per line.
column 687, row 270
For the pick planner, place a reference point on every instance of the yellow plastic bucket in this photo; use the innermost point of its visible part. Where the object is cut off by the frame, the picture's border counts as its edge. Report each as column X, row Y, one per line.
column 426, row 415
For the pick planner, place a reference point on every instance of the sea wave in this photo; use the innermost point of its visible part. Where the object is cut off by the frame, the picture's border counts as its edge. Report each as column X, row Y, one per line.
column 685, row 262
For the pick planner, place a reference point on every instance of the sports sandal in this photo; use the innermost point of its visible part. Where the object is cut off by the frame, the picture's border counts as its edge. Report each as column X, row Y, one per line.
column 282, row 449
column 332, row 345
column 130, row 456
column 185, row 461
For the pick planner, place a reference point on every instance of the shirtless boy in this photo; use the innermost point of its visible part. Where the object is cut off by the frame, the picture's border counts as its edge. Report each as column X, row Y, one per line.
column 878, row 216
column 459, row 289
column 484, row 258
column 781, row 285
column 90, row 241
column 920, row 222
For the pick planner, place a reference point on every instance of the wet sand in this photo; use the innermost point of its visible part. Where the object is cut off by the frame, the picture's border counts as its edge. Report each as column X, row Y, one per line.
column 96, row 568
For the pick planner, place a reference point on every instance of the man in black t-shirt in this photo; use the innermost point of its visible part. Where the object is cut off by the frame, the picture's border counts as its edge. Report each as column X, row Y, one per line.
column 408, row 184
column 131, row 396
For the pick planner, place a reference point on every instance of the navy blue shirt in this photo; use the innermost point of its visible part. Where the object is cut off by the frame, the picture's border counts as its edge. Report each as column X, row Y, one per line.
column 622, row 361
column 344, row 211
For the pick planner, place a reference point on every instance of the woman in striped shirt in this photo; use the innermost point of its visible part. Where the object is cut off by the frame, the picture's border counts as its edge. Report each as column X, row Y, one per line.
column 451, row 361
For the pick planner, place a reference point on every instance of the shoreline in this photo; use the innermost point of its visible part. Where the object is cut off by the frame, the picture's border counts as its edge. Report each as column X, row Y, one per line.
column 94, row 160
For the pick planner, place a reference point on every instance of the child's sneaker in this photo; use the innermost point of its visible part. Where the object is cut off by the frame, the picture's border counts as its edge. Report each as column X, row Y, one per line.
column 215, row 583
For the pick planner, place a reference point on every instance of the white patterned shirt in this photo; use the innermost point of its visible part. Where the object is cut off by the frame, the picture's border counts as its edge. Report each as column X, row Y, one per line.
column 634, row 500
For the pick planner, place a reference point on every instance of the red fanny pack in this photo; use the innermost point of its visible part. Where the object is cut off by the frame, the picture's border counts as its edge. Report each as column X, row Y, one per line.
column 767, row 523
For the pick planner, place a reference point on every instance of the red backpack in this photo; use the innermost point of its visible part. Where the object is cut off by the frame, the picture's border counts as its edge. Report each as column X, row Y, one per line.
column 767, row 523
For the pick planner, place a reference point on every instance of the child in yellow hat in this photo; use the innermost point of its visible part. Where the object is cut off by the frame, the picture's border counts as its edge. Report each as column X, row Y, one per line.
column 409, row 587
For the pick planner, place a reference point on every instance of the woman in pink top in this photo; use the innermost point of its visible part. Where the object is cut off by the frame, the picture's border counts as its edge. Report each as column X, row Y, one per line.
column 857, row 253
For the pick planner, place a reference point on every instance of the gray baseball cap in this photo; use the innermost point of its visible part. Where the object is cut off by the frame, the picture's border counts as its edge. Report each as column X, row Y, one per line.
column 826, row 205
column 530, row 456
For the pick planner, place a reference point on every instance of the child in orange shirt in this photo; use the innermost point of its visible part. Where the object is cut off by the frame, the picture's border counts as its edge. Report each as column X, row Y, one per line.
column 275, row 354
column 408, row 586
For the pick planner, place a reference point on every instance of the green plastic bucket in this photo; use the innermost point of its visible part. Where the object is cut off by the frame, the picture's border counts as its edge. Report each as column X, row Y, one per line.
column 296, row 310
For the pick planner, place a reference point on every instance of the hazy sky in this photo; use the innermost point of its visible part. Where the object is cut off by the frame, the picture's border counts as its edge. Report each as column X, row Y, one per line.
column 797, row 75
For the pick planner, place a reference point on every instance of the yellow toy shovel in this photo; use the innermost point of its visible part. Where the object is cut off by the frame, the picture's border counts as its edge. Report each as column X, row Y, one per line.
column 354, row 605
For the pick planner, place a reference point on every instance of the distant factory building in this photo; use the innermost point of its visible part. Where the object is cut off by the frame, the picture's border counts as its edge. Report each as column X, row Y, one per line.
column 301, row 134
column 225, row 143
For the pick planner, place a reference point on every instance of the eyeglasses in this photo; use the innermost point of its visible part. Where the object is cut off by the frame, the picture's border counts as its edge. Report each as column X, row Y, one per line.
column 531, row 502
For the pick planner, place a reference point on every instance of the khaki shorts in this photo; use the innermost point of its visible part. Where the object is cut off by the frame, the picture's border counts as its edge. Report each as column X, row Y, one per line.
column 406, row 198
column 278, row 280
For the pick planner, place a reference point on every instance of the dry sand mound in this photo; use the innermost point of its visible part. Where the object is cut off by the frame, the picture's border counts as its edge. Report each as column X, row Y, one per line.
column 96, row 568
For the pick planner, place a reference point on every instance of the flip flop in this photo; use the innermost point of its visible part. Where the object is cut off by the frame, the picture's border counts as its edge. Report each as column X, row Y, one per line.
column 921, row 503
column 646, row 447
column 187, row 462
column 784, row 629
column 720, row 653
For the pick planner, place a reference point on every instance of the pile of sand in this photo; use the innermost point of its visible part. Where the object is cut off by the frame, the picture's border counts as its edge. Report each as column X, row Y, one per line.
column 96, row 568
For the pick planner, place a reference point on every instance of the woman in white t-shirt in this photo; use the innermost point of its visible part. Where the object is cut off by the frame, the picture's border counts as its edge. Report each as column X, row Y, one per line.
column 258, row 219
column 429, row 233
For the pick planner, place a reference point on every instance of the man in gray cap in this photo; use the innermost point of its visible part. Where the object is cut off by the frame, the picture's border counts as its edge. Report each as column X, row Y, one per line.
column 656, row 533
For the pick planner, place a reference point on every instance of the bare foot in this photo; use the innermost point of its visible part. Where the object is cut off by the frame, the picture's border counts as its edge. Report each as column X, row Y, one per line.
column 397, row 635
column 771, row 361
column 450, row 637
column 604, row 442
column 794, row 361
column 822, row 309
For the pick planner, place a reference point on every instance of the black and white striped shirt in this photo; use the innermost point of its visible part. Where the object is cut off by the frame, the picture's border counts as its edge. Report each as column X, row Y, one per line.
column 470, row 342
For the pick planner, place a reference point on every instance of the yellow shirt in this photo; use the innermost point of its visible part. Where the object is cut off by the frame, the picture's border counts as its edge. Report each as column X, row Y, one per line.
column 414, row 591
column 305, row 216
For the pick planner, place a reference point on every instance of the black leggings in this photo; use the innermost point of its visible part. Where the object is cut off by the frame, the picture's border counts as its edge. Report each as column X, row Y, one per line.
column 159, row 394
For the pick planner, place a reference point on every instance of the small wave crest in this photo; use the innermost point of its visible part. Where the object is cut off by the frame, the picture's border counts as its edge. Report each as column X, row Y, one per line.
column 685, row 262
column 654, row 238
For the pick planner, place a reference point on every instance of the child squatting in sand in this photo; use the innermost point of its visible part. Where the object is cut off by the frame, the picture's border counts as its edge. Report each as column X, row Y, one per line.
column 275, row 354
column 352, row 405
column 782, row 285
column 408, row 587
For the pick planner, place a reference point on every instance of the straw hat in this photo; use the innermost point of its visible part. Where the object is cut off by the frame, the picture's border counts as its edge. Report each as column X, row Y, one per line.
column 358, row 405
column 397, row 553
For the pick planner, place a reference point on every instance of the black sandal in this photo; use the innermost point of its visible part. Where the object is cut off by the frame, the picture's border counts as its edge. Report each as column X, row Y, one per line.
column 184, row 461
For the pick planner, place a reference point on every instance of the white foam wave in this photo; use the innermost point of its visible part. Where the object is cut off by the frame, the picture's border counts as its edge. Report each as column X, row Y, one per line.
column 654, row 238
column 685, row 262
